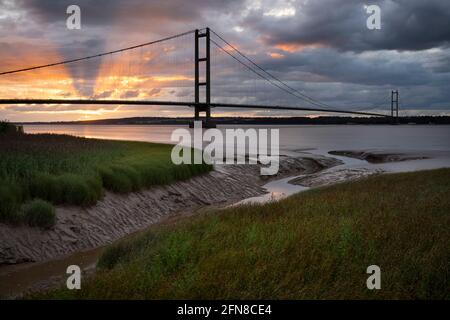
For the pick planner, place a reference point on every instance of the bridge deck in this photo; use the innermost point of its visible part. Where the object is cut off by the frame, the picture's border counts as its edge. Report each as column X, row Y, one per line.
column 178, row 103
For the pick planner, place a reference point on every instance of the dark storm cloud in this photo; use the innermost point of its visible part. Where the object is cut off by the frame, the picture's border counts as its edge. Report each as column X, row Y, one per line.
column 441, row 64
column 155, row 16
column 328, row 52
column 406, row 25
column 330, row 65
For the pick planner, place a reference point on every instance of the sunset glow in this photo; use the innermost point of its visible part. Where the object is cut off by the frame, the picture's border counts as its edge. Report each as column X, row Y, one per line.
column 323, row 53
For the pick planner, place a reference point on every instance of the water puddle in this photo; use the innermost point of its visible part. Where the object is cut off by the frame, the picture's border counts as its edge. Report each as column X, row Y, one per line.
column 351, row 168
column 276, row 190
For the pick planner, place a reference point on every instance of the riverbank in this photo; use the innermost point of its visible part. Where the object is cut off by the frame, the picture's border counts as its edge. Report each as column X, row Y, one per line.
column 313, row 245
column 117, row 215
column 39, row 171
column 81, row 233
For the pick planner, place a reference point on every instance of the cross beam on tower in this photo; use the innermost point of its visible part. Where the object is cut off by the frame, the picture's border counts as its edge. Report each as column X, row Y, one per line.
column 206, row 59
column 394, row 105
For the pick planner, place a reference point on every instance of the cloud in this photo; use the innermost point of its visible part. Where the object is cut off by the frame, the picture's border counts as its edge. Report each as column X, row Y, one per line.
column 321, row 47
column 102, row 95
column 51, row 108
column 130, row 94
column 153, row 93
column 406, row 25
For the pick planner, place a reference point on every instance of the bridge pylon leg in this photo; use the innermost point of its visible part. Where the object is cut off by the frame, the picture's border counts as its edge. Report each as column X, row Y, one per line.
column 203, row 106
column 394, row 106
column 206, row 120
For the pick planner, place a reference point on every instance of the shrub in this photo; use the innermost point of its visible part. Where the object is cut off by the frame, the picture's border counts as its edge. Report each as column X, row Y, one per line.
column 10, row 200
column 41, row 186
column 66, row 189
column 38, row 213
column 131, row 173
column 73, row 189
column 116, row 181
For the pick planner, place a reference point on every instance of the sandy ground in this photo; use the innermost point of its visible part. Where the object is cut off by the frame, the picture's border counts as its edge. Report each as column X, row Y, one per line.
column 333, row 176
column 115, row 216
column 343, row 173
column 379, row 156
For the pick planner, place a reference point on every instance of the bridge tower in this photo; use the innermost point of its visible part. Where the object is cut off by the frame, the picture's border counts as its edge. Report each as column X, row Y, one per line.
column 205, row 81
column 394, row 105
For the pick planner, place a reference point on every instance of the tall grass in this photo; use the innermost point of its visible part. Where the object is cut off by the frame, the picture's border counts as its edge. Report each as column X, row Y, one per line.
column 313, row 245
column 39, row 213
column 63, row 169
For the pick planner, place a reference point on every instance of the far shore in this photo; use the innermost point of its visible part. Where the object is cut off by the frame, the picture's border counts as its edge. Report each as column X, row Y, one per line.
column 322, row 120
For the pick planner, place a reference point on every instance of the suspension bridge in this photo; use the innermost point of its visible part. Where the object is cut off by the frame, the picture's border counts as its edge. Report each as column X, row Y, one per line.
column 197, row 69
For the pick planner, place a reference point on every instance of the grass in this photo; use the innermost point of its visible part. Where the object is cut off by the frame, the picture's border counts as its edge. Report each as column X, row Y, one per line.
column 63, row 169
column 39, row 213
column 313, row 245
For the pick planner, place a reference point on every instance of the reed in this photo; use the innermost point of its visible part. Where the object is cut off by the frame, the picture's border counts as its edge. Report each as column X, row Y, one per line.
column 63, row 169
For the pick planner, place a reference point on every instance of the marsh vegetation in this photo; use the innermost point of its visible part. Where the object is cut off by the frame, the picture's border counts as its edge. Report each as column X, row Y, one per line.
column 313, row 245
column 69, row 170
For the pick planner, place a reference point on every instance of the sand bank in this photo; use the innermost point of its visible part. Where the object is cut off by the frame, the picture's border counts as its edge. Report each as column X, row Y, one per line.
column 379, row 156
column 117, row 215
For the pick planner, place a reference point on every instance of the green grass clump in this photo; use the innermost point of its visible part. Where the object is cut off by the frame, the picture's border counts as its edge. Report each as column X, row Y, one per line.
column 313, row 245
column 38, row 213
column 67, row 188
column 63, row 169
column 10, row 201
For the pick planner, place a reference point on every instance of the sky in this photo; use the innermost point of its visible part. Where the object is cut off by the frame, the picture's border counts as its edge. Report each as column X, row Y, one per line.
column 322, row 48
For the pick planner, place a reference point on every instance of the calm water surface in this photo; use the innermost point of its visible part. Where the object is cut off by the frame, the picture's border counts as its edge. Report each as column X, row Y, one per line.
column 292, row 138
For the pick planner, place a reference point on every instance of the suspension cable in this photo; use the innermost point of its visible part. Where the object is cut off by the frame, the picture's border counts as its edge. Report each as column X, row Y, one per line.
column 303, row 96
column 98, row 55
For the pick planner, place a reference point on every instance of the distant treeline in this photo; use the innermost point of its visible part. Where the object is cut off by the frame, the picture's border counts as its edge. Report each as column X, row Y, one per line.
column 271, row 120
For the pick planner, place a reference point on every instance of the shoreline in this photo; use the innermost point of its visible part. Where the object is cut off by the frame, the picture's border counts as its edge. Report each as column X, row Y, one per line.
column 379, row 156
column 83, row 231
column 121, row 216
column 118, row 215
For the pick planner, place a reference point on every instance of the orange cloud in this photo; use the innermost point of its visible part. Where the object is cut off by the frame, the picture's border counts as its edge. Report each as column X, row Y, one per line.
column 276, row 55
column 295, row 47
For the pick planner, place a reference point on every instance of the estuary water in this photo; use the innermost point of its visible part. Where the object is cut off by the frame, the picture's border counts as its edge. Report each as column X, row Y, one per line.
column 317, row 138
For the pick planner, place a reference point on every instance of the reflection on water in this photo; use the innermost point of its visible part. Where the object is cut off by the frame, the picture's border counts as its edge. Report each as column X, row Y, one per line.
column 115, row 132
column 276, row 190
column 321, row 138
